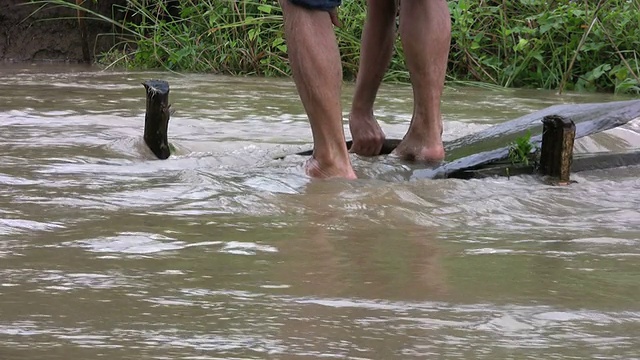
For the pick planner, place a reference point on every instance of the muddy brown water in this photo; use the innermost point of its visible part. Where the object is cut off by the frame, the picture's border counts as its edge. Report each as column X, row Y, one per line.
column 221, row 252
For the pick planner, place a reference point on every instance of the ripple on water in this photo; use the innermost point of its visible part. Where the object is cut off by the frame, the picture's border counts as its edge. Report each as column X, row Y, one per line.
column 605, row 241
column 14, row 226
column 71, row 281
column 8, row 247
column 246, row 248
column 420, row 327
column 16, row 180
column 50, row 282
column 592, row 247
column 135, row 243
column 140, row 243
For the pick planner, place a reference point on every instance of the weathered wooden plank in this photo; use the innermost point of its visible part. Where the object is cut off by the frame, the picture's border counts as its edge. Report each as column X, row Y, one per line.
column 387, row 147
column 604, row 160
column 601, row 116
column 589, row 119
column 490, row 142
column 581, row 162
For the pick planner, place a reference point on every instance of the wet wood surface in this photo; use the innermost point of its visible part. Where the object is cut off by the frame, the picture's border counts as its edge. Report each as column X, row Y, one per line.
column 474, row 151
column 580, row 162
column 492, row 145
column 556, row 153
column 156, row 119
column 599, row 116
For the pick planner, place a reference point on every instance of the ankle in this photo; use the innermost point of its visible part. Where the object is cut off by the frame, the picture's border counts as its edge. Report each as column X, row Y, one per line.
column 427, row 122
column 425, row 129
column 317, row 168
column 332, row 158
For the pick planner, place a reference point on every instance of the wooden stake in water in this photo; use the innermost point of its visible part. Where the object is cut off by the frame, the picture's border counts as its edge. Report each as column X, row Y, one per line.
column 556, row 153
column 156, row 119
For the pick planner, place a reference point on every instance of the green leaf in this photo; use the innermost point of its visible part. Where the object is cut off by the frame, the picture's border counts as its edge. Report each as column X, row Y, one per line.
column 265, row 9
column 253, row 33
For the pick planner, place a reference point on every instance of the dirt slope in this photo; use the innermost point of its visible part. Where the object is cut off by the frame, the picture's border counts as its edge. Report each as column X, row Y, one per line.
column 39, row 38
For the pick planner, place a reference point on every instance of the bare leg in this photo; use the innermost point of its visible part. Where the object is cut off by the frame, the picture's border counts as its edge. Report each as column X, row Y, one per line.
column 425, row 27
column 377, row 47
column 317, row 72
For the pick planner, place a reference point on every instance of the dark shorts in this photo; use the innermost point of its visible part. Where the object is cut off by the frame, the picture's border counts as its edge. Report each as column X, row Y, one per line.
column 317, row 4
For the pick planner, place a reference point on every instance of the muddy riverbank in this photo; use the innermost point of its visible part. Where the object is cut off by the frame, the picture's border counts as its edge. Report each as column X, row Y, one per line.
column 51, row 33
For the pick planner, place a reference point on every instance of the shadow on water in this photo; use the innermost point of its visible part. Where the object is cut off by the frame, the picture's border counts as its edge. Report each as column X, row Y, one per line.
column 222, row 252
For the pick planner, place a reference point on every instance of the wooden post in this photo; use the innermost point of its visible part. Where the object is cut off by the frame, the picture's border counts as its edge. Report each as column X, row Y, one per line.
column 556, row 154
column 156, row 119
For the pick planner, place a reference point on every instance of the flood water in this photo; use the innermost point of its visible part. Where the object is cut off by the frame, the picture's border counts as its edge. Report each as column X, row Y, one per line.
column 222, row 252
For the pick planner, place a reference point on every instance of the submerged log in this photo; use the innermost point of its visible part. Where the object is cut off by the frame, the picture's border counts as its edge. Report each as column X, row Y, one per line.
column 156, row 119
column 556, row 153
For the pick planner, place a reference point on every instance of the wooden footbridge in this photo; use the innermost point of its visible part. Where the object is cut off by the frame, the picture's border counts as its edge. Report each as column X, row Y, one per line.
column 538, row 143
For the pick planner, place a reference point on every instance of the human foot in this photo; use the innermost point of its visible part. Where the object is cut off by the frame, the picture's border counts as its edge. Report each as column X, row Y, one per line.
column 315, row 169
column 420, row 152
column 366, row 133
column 421, row 146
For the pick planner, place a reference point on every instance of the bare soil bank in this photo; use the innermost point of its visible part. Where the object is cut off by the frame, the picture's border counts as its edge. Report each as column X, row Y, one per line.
column 51, row 34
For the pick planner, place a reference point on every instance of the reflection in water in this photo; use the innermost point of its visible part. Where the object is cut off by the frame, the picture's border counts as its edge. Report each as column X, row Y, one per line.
column 223, row 252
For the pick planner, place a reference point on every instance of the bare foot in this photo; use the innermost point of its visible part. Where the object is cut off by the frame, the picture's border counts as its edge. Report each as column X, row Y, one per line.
column 314, row 169
column 367, row 135
column 416, row 151
column 421, row 146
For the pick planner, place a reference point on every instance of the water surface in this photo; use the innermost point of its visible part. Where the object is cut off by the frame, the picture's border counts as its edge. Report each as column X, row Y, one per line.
column 221, row 252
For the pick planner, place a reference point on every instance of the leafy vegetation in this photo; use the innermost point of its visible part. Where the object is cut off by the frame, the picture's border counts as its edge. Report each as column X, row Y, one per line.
column 532, row 43
column 521, row 150
column 563, row 44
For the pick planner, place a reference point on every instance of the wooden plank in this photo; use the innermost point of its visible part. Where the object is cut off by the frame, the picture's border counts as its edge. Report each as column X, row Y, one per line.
column 589, row 119
column 581, row 162
column 469, row 154
column 601, row 116
column 387, row 147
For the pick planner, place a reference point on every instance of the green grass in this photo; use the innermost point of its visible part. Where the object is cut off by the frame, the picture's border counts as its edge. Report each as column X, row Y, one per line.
column 495, row 43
